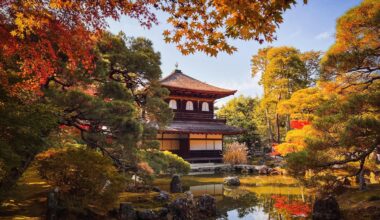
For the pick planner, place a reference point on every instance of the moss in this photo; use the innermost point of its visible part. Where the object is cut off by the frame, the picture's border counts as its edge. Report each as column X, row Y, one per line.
column 356, row 204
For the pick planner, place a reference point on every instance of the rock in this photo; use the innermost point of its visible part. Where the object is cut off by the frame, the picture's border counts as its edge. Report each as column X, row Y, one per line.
column 189, row 195
column 52, row 206
column 182, row 209
column 175, row 184
column 218, row 170
column 232, row 181
column 326, row 209
column 156, row 189
column 149, row 214
column 263, row 170
column 127, row 212
column 162, row 197
column 206, row 205
column 274, row 172
column 245, row 170
column 146, row 214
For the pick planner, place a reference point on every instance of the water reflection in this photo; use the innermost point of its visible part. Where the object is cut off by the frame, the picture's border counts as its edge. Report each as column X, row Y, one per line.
column 257, row 202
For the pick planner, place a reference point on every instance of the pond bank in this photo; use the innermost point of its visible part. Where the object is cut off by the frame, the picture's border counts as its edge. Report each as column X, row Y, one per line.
column 215, row 168
column 257, row 196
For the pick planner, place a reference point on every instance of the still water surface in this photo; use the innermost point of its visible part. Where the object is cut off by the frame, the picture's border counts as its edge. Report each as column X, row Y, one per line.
column 258, row 197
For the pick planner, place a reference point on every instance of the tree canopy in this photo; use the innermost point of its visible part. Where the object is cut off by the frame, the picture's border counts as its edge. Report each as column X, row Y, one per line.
column 50, row 37
column 115, row 110
column 239, row 112
column 343, row 108
column 283, row 70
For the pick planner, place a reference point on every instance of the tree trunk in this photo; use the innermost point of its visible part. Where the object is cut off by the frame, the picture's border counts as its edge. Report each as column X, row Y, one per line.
column 10, row 179
column 278, row 121
column 278, row 128
column 287, row 123
column 362, row 184
column 270, row 133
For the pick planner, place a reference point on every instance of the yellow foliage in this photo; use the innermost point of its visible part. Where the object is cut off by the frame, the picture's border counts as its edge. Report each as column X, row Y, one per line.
column 294, row 141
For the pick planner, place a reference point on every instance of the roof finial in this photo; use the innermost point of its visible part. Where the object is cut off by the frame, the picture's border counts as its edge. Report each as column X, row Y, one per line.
column 176, row 70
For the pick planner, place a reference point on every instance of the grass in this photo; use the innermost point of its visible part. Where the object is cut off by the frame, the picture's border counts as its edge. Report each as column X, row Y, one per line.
column 27, row 199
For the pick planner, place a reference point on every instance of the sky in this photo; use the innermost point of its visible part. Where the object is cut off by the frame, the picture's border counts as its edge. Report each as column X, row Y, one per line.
column 305, row 27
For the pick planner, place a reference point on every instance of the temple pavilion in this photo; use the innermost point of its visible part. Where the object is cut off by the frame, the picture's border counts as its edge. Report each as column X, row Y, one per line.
column 195, row 133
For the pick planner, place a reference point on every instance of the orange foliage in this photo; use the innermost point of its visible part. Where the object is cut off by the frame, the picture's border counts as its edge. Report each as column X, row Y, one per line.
column 52, row 38
column 294, row 208
column 145, row 167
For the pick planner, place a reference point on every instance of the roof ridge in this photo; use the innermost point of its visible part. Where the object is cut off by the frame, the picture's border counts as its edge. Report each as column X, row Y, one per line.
column 168, row 76
column 178, row 79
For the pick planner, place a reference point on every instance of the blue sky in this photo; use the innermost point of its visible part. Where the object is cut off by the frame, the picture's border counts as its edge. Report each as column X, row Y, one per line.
column 306, row 27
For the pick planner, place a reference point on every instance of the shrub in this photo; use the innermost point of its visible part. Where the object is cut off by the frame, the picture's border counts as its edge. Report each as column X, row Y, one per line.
column 235, row 153
column 175, row 163
column 84, row 178
column 167, row 162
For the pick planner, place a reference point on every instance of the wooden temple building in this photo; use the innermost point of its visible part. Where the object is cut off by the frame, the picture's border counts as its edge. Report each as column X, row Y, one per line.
column 195, row 133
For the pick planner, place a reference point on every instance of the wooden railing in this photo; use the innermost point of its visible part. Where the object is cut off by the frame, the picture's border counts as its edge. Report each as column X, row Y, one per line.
column 198, row 116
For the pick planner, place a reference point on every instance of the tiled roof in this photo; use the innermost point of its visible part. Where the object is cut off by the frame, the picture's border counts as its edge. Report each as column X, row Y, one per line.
column 209, row 127
column 181, row 81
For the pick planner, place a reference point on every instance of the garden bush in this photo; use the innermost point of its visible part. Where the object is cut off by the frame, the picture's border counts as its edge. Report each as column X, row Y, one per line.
column 166, row 162
column 84, row 178
column 235, row 153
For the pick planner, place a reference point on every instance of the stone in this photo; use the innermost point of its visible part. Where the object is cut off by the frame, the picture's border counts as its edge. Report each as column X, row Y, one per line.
column 162, row 197
column 206, row 205
column 52, row 206
column 326, row 209
column 146, row 214
column 232, row 181
column 182, row 209
column 127, row 212
column 156, row 189
column 263, row 170
column 175, row 184
column 274, row 172
column 149, row 214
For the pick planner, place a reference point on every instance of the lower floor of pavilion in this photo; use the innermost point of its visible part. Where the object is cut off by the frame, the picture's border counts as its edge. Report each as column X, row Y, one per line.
column 196, row 141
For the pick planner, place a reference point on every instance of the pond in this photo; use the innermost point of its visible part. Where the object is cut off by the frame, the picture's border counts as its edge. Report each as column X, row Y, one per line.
column 258, row 197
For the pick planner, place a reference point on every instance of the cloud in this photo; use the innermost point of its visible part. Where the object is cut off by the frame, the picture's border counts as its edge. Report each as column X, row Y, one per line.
column 324, row 35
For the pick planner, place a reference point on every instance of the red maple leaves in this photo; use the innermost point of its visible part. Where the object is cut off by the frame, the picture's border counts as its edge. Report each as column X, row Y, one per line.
column 298, row 124
column 292, row 207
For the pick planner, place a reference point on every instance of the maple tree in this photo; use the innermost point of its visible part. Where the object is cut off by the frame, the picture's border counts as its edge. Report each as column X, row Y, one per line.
column 50, row 37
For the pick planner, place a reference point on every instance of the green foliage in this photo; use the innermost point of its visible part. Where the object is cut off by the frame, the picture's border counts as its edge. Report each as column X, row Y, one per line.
column 24, row 128
column 240, row 112
column 117, row 109
column 166, row 162
column 297, row 162
column 114, row 109
column 344, row 108
column 84, row 178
